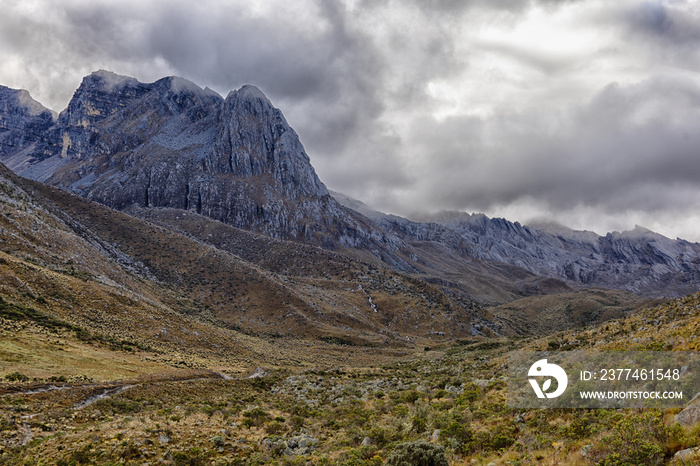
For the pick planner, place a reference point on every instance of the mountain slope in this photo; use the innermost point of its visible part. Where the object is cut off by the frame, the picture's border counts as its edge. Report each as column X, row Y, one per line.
column 268, row 291
column 24, row 123
column 639, row 261
column 55, row 270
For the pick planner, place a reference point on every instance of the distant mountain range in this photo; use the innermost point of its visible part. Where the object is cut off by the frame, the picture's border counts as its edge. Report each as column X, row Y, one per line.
column 230, row 178
column 639, row 261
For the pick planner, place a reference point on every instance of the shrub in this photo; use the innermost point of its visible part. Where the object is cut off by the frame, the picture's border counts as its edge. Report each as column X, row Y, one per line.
column 636, row 440
column 470, row 394
column 275, row 428
column 420, row 453
column 411, row 396
column 502, row 440
column 458, row 431
column 16, row 377
column 380, row 436
column 218, row 441
column 118, row 406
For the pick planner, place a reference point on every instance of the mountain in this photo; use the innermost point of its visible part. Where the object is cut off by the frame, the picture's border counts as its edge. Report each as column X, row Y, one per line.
column 139, row 147
column 24, row 123
column 639, row 261
column 58, row 273
column 172, row 144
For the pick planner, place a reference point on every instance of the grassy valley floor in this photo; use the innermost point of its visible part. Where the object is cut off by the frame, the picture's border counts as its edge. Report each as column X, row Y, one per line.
column 352, row 411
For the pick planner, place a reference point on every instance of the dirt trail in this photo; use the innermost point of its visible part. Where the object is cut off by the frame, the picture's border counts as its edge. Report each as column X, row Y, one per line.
column 106, row 393
column 24, row 430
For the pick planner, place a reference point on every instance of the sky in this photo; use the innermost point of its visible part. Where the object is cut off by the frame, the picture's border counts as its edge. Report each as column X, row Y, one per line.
column 582, row 112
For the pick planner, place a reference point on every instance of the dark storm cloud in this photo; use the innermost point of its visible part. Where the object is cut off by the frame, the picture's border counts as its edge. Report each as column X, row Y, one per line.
column 225, row 47
column 632, row 147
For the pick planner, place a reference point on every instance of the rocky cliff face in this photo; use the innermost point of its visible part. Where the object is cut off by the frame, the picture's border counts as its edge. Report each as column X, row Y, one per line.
column 24, row 124
column 639, row 261
column 172, row 144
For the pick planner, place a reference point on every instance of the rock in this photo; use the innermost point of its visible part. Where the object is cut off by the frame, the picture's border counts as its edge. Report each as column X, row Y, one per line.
column 435, row 436
column 366, row 442
column 639, row 261
column 690, row 415
column 301, row 444
column 162, row 438
column 24, row 125
column 586, row 449
column 257, row 373
column 687, row 456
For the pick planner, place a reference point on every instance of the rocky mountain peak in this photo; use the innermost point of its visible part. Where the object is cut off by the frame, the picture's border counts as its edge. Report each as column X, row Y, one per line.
column 108, row 80
column 256, row 140
column 22, row 102
column 19, row 101
column 171, row 143
column 249, row 92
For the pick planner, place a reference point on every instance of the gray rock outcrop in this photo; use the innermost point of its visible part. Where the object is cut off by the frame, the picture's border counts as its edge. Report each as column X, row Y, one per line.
column 24, row 124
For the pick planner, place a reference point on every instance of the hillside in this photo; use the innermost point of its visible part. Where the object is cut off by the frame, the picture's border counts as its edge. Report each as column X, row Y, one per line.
column 178, row 286
column 123, row 278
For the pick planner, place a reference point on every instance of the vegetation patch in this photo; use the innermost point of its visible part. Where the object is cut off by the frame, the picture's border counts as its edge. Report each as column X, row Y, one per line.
column 17, row 312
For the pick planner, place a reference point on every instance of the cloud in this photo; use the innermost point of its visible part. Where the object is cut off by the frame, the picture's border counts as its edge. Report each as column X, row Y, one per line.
column 549, row 108
column 631, row 148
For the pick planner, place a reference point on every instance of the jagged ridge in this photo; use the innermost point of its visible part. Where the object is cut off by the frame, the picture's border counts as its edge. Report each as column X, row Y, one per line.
column 172, row 144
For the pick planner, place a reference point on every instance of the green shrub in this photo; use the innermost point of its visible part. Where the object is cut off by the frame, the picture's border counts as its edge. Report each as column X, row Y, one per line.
column 420, row 453
column 411, row 396
column 502, row 440
column 218, row 441
column 380, row 436
column 470, row 394
column 16, row 377
column 274, row 428
column 637, row 439
column 256, row 413
column 458, row 431
column 118, row 405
